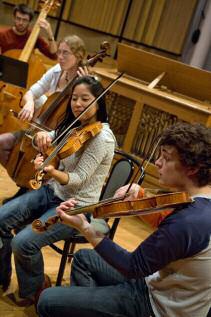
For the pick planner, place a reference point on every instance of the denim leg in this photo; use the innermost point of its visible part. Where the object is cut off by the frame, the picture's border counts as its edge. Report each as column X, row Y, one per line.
column 14, row 214
column 26, row 246
column 103, row 292
column 5, row 263
column 87, row 268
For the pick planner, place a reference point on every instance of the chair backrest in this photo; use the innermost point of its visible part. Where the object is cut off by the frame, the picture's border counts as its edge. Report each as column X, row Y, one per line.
column 121, row 174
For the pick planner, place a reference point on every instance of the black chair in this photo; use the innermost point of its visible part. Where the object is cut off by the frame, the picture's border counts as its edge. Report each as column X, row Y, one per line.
column 122, row 171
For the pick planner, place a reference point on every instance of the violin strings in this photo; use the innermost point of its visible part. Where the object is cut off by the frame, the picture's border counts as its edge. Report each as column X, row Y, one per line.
column 100, row 203
column 68, row 131
column 32, row 123
column 85, row 110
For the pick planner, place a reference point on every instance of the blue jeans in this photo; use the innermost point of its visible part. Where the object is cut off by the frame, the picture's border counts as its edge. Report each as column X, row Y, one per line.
column 26, row 245
column 96, row 290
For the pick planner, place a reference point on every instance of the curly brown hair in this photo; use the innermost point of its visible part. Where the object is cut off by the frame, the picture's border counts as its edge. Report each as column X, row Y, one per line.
column 193, row 143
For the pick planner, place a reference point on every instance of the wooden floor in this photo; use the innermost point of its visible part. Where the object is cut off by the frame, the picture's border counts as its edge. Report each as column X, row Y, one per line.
column 130, row 232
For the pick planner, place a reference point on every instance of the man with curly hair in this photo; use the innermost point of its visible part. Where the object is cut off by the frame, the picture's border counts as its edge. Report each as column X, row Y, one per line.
column 169, row 273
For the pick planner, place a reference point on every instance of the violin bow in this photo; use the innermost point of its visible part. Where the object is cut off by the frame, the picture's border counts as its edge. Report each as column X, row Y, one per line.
column 67, row 132
column 142, row 168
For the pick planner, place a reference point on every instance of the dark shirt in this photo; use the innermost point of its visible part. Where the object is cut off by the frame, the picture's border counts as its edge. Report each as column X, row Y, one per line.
column 175, row 261
column 180, row 235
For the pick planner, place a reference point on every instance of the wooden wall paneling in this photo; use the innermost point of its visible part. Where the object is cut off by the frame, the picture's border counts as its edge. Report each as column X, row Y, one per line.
column 153, row 21
column 100, row 19
column 101, row 22
column 174, row 25
column 79, row 14
column 102, row 15
column 160, row 23
column 67, row 10
column 179, row 77
column 133, row 126
column 119, row 12
column 137, row 19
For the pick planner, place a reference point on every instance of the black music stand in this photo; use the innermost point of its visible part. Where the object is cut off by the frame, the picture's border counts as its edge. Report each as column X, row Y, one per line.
column 13, row 71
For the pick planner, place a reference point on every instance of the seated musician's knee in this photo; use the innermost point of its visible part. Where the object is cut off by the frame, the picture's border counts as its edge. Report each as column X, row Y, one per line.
column 43, row 302
column 81, row 256
column 7, row 142
column 22, row 245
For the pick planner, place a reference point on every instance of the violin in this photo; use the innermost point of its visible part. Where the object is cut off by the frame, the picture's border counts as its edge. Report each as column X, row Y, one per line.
column 115, row 208
column 78, row 138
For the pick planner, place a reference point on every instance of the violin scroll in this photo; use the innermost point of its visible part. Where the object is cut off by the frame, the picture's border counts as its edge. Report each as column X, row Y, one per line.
column 39, row 227
column 36, row 182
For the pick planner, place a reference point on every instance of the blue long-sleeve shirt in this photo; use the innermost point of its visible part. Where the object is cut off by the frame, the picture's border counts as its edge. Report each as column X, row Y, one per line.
column 171, row 259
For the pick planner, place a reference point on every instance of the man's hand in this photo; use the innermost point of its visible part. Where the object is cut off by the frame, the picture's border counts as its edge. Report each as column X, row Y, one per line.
column 133, row 192
column 68, row 204
column 45, row 25
column 77, row 221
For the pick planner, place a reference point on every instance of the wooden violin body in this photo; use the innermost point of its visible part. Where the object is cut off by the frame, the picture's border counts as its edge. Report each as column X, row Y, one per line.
column 143, row 206
column 74, row 143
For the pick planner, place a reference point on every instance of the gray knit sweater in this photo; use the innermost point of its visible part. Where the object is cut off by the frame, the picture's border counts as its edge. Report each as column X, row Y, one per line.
column 87, row 169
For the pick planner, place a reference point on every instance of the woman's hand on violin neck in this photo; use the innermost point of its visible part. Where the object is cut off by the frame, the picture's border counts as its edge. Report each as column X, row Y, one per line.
column 26, row 114
column 43, row 141
column 133, row 192
column 38, row 161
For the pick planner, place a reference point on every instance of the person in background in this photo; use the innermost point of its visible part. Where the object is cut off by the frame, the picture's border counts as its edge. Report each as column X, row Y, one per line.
column 168, row 274
column 15, row 37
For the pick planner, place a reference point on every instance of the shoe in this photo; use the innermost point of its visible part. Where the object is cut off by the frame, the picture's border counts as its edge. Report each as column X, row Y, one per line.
column 6, row 283
column 19, row 301
column 21, row 191
column 33, row 300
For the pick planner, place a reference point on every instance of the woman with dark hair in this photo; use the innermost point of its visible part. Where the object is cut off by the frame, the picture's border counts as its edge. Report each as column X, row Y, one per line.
column 79, row 176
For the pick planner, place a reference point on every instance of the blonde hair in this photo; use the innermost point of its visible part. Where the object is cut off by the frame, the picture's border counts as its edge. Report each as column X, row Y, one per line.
column 76, row 45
